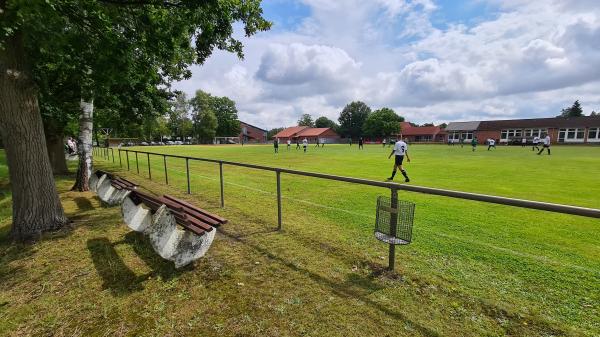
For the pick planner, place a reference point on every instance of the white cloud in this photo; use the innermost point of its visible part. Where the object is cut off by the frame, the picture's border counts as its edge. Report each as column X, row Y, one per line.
column 530, row 59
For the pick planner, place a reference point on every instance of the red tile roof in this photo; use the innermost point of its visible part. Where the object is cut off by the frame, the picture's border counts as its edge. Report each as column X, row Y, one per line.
column 312, row 132
column 408, row 130
column 290, row 132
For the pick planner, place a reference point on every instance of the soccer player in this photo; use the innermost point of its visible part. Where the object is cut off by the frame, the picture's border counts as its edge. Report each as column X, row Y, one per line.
column 400, row 150
column 383, row 142
column 297, row 143
column 289, row 143
column 462, row 141
column 317, row 142
column 276, row 145
column 536, row 141
column 523, row 142
column 491, row 143
column 546, row 144
column 360, row 143
column 305, row 144
column 474, row 143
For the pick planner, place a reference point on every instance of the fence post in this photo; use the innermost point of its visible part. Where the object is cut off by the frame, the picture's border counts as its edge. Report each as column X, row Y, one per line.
column 112, row 151
column 187, row 172
column 393, row 228
column 137, row 165
column 165, row 163
column 120, row 162
column 106, row 153
column 278, row 173
column 222, row 189
column 149, row 173
column 127, row 155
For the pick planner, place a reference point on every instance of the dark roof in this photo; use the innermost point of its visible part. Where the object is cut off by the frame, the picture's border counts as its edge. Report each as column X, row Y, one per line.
column 462, row 126
column 256, row 127
column 557, row 122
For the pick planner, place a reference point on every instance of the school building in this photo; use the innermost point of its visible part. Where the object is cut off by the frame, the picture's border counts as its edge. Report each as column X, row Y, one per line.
column 324, row 135
column 572, row 130
column 252, row 134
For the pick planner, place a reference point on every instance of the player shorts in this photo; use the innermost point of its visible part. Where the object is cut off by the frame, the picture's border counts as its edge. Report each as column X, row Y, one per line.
column 399, row 160
column 545, row 145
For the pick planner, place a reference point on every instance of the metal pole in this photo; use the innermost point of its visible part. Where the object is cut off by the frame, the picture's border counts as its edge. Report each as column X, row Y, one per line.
column 393, row 228
column 278, row 200
column 166, row 176
column 127, row 155
column 222, row 187
column 149, row 173
column 112, row 151
column 187, row 172
column 120, row 162
column 137, row 165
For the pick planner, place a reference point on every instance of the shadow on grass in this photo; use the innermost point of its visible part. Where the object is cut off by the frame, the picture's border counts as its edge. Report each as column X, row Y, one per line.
column 83, row 204
column 345, row 289
column 115, row 274
column 119, row 278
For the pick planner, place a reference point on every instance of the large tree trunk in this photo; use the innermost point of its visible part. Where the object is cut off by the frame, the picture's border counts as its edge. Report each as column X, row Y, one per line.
column 56, row 153
column 84, row 145
column 36, row 205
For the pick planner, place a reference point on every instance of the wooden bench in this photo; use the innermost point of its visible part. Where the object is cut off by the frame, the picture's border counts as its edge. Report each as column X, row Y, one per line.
column 188, row 216
column 122, row 183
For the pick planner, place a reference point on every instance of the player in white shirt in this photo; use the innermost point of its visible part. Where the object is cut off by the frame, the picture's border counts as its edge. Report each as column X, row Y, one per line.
column 523, row 142
column 400, row 150
column 536, row 141
column 546, row 145
column 289, row 143
column 491, row 143
column 304, row 144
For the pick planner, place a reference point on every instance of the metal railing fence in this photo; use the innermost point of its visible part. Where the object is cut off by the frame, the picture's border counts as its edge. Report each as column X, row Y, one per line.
column 391, row 186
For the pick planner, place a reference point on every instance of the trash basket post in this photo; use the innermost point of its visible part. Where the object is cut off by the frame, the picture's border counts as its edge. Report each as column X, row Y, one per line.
column 393, row 228
column 187, row 172
column 279, row 222
column 222, row 187
column 165, row 164
column 149, row 173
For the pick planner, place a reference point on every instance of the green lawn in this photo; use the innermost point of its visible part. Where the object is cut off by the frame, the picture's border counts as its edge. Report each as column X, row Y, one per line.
column 473, row 268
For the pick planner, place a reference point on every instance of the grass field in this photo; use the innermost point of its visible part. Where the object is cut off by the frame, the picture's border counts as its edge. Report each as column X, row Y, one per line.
column 473, row 268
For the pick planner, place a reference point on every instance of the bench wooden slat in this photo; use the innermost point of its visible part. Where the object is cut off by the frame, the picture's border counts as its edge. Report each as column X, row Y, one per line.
column 192, row 224
column 192, row 212
column 199, row 210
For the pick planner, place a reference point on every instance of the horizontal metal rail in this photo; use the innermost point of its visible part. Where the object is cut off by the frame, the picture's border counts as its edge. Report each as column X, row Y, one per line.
column 545, row 206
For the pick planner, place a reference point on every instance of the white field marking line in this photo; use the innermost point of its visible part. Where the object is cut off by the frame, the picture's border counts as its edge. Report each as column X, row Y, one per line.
column 538, row 258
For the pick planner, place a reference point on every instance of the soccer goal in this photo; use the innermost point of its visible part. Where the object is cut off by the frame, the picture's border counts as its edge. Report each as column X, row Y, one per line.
column 226, row 140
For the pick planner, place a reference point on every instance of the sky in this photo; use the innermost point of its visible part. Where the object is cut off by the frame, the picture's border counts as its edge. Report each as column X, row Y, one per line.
column 429, row 60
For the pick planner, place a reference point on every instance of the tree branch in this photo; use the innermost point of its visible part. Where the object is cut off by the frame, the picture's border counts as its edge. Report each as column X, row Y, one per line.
column 142, row 3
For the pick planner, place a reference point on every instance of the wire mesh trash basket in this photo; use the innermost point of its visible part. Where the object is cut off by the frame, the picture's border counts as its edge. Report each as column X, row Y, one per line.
column 398, row 232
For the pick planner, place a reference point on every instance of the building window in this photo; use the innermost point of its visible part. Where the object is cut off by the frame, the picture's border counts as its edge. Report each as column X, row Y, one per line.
column 467, row 135
column 571, row 135
column 534, row 133
column 511, row 133
column 594, row 134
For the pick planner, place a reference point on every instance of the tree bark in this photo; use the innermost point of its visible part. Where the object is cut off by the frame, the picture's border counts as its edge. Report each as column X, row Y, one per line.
column 56, row 153
column 84, row 145
column 36, row 204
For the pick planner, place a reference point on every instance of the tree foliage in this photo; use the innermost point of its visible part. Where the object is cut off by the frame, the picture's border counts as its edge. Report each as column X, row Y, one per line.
column 324, row 122
column 382, row 123
column 574, row 110
column 121, row 54
column 352, row 118
column 273, row 132
column 205, row 126
column 306, row 120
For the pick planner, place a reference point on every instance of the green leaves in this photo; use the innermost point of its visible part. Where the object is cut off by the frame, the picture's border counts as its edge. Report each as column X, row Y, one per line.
column 382, row 123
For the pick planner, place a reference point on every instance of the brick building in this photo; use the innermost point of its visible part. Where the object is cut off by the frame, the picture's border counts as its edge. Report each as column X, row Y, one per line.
column 324, row 135
column 422, row 134
column 574, row 130
column 252, row 134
